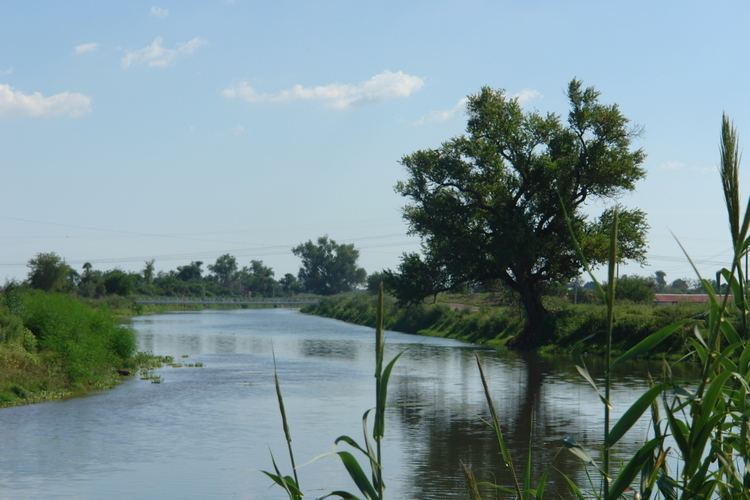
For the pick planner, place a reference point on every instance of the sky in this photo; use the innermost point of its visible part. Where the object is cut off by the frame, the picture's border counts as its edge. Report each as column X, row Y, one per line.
column 184, row 130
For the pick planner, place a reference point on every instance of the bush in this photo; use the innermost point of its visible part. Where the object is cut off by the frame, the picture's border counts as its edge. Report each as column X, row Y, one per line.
column 89, row 342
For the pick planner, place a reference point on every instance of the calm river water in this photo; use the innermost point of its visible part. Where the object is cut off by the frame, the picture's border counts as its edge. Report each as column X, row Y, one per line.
column 206, row 432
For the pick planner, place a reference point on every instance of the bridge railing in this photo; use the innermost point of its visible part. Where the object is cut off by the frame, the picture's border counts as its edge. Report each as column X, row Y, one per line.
column 228, row 300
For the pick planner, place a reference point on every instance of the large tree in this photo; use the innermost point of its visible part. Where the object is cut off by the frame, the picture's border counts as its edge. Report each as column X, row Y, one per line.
column 328, row 267
column 487, row 204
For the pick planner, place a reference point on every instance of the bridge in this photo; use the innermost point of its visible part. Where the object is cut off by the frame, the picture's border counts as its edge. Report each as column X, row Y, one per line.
column 230, row 301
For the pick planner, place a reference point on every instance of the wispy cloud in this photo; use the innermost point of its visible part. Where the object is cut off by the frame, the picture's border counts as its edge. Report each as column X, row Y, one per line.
column 238, row 130
column 443, row 116
column 85, row 48
column 156, row 55
column 158, row 12
column 385, row 85
column 6, row 71
column 16, row 103
column 527, row 95
column 459, row 109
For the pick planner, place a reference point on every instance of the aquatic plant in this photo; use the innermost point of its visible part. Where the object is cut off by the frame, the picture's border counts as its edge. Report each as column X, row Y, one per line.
column 372, row 487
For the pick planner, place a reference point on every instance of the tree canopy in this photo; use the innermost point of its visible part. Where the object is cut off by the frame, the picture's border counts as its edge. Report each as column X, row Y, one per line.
column 48, row 272
column 328, row 267
column 487, row 204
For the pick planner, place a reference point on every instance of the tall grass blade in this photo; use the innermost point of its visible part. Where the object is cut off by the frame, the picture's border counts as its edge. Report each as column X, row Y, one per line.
column 608, row 360
column 650, row 342
column 471, row 483
column 358, row 475
column 632, row 414
column 628, row 473
column 507, row 459
column 285, row 424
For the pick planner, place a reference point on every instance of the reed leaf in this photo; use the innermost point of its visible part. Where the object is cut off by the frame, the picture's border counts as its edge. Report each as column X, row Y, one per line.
column 572, row 486
column 507, row 459
column 584, row 372
column 285, row 424
column 471, row 483
column 650, row 342
column 632, row 414
column 358, row 475
column 628, row 473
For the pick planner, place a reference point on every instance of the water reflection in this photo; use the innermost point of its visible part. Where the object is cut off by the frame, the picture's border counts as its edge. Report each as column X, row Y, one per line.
column 203, row 433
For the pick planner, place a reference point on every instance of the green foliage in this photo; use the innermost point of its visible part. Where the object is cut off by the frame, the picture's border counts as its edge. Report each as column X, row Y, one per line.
column 257, row 279
column 190, row 272
column 225, row 269
column 636, row 289
column 48, row 272
column 576, row 327
column 327, row 267
column 117, row 282
column 88, row 342
column 418, row 278
column 487, row 204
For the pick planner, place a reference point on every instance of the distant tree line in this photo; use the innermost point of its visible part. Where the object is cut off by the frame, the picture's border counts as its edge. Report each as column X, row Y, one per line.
column 327, row 268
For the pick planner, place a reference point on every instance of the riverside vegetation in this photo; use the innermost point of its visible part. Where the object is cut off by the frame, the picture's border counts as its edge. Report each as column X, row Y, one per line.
column 54, row 346
column 699, row 442
column 579, row 326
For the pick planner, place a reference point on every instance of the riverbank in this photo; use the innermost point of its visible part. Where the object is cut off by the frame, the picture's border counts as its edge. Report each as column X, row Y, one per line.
column 577, row 327
column 54, row 346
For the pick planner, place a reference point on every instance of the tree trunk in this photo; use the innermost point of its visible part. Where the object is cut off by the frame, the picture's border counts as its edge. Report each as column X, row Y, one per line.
column 538, row 329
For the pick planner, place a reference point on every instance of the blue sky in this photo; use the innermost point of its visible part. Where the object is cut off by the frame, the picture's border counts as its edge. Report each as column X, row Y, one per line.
column 183, row 130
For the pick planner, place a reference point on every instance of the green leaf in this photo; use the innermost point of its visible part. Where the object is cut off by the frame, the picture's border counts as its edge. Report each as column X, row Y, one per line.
column 471, row 483
column 351, row 442
column 570, row 443
column 357, row 475
column 628, row 473
column 632, row 414
column 574, row 489
column 378, row 430
column 541, row 485
column 650, row 342
column 587, row 376
column 341, row 494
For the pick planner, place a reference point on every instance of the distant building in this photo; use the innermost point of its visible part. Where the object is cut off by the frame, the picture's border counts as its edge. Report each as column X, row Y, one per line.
column 679, row 298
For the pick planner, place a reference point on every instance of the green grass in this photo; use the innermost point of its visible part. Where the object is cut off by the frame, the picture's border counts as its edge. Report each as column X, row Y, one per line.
column 577, row 327
column 54, row 346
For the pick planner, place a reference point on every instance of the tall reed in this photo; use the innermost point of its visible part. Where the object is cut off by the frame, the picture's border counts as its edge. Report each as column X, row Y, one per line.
column 372, row 487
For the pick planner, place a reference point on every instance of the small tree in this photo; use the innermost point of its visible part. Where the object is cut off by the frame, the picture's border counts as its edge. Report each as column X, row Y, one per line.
column 328, row 267
column 257, row 278
column 418, row 278
column 148, row 272
column 48, row 272
column 225, row 269
column 117, row 282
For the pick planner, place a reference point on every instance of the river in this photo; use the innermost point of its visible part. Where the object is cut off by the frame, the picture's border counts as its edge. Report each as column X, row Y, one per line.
column 207, row 432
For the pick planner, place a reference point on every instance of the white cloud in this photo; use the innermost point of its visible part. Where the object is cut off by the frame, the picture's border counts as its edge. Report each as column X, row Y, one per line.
column 527, row 95
column 85, row 48
column 458, row 109
column 7, row 71
column 443, row 116
column 15, row 102
column 385, row 85
column 238, row 130
column 157, row 55
column 158, row 12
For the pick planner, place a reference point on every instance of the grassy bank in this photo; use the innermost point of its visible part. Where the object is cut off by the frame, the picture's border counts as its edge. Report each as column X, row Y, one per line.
column 496, row 325
column 54, row 346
